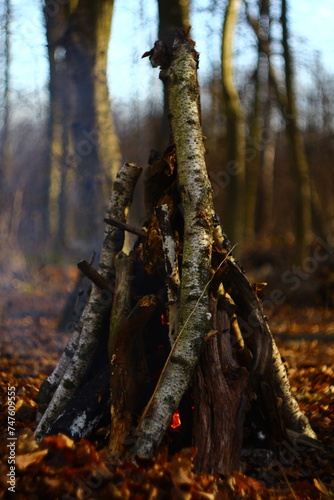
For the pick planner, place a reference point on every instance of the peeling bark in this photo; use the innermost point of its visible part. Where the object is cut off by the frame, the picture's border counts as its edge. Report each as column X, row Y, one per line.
column 88, row 330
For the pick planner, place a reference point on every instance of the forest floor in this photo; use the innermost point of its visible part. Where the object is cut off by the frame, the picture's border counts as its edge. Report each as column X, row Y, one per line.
column 58, row 468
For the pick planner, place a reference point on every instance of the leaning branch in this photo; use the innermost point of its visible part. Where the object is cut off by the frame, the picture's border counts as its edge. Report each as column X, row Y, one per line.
column 196, row 193
column 267, row 366
column 87, row 333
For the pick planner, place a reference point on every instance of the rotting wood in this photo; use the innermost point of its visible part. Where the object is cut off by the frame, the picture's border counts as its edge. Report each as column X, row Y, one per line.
column 128, row 372
column 122, row 364
column 126, row 355
column 89, row 327
column 219, row 387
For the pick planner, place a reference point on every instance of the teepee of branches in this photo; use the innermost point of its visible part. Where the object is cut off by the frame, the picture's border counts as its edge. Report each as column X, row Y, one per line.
column 173, row 334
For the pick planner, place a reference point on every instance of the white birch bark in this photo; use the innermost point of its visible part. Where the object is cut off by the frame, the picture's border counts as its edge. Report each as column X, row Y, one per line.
column 172, row 269
column 99, row 300
column 292, row 415
column 196, row 194
column 267, row 361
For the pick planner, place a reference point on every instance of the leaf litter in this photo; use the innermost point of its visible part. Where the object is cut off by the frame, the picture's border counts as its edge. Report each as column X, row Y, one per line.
column 59, row 468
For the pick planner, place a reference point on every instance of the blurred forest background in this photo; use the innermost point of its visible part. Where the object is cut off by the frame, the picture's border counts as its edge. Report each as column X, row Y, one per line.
column 267, row 113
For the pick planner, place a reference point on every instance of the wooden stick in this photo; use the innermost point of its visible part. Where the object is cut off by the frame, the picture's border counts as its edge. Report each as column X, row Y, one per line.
column 126, row 227
column 94, row 276
column 125, row 353
column 268, row 369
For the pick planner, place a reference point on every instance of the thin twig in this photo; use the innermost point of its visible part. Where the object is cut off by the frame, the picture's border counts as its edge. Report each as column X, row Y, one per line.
column 289, row 485
column 91, row 273
column 125, row 227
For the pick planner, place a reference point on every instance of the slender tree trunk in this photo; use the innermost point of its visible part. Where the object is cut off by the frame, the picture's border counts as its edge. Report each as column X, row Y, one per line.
column 300, row 166
column 235, row 165
column 265, row 217
column 172, row 14
column 88, row 152
column 255, row 151
column 58, row 126
column 108, row 143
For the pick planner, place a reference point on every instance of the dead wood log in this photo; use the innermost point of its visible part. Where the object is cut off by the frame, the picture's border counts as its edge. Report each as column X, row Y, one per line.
column 126, row 355
column 65, row 380
column 88, row 409
column 220, row 399
column 196, row 193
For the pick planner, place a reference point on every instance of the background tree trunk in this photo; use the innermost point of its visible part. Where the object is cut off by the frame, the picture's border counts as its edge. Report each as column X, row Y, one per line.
column 4, row 131
column 84, row 147
column 58, row 127
column 256, row 147
column 235, row 160
column 299, row 164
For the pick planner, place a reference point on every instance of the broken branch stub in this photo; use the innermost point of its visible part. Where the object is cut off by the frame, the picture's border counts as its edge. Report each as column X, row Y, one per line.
column 196, row 195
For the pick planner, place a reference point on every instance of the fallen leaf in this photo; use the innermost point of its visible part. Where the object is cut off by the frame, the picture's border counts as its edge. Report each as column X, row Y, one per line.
column 23, row 461
column 320, row 486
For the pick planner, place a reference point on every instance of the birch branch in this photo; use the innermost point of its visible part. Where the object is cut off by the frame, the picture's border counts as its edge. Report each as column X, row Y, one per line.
column 172, row 269
column 196, row 194
column 80, row 294
column 99, row 300
column 267, row 364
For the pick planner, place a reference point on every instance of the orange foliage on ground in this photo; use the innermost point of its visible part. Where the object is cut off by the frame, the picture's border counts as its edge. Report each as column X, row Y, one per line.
column 58, row 468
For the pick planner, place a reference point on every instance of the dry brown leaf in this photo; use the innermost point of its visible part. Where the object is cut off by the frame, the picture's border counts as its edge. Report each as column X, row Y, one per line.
column 320, row 486
column 60, row 441
column 24, row 461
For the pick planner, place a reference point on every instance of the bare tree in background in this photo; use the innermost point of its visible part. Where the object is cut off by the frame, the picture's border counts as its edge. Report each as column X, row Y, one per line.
column 4, row 146
column 84, row 146
column 258, row 162
column 235, row 165
column 299, row 164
